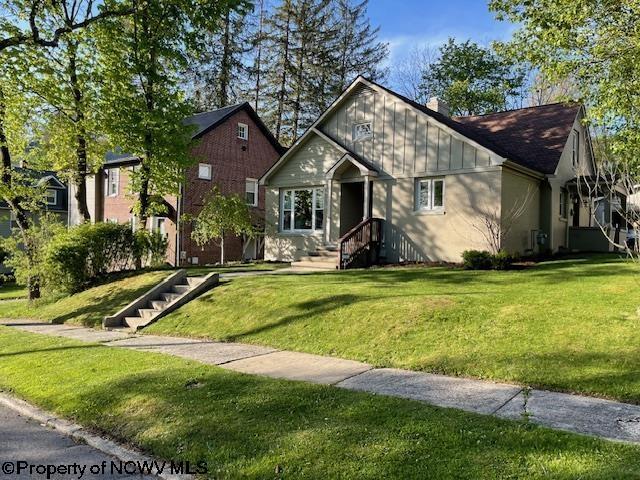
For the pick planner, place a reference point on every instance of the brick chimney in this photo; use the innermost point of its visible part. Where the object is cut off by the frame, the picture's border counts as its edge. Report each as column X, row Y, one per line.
column 438, row 105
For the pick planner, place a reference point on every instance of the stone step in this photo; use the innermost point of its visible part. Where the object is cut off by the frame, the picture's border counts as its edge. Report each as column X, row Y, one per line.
column 327, row 248
column 180, row 289
column 194, row 281
column 134, row 322
column 324, row 254
column 170, row 297
column 316, row 265
column 148, row 313
column 319, row 259
column 158, row 304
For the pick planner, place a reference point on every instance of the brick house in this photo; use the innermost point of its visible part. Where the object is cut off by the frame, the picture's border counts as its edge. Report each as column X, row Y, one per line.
column 233, row 150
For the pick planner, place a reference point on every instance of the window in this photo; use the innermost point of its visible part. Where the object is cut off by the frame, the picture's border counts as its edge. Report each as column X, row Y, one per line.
column 251, row 192
column 113, row 179
column 243, row 131
column 302, row 210
column 430, row 194
column 134, row 223
column 362, row 131
column 158, row 224
column 576, row 148
column 563, row 204
column 204, row 171
column 51, row 196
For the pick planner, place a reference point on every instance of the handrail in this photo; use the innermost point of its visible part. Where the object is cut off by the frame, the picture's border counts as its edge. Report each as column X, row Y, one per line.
column 361, row 244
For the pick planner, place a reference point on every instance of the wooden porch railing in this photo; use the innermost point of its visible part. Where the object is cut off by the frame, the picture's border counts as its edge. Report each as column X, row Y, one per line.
column 360, row 246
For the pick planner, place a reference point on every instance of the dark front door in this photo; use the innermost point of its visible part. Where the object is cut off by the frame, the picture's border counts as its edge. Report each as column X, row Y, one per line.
column 351, row 205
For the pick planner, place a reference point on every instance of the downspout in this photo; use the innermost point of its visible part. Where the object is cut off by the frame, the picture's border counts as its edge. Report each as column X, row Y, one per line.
column 178, row 227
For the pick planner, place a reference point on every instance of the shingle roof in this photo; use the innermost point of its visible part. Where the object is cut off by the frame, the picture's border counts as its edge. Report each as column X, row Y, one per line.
column 203, row 123
column 534, row 137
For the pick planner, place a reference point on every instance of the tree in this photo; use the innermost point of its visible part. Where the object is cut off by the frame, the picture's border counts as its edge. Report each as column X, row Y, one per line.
column 143, row 59
column 408, row 72
column 472, row 79
column 221, row 216
column 357, row 50
column 595, row 44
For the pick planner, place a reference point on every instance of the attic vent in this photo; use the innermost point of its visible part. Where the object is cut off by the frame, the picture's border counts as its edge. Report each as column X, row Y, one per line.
column 363, row 90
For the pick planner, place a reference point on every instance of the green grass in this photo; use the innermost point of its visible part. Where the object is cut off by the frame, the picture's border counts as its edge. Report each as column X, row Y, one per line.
column 10, row 291
column 88, row 307
column 567, row 325
column 252, row 427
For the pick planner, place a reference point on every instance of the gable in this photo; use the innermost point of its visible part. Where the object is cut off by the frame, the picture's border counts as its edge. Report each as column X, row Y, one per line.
column 308, row 164
column 405, row 142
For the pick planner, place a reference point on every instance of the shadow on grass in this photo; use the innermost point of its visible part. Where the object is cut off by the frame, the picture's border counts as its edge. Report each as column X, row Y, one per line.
column 249, row 427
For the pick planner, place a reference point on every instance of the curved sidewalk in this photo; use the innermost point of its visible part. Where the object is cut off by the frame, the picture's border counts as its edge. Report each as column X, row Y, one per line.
column 574, row 413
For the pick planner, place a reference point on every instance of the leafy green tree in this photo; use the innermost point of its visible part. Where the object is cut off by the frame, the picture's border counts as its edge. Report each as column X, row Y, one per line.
column 143, row 58
column 221, row 216
column 595, row 45
column 472, row 79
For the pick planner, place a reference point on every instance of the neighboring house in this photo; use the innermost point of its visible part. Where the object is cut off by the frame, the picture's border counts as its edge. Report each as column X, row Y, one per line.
column 234, row 149
column 433, row 184
column 55, row 200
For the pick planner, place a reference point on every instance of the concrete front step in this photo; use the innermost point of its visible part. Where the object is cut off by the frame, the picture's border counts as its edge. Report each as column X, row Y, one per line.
column 319, row 259
column 134, row 322
column 180, row 289
column 319, row 265
column 148, row 313
column 194, row 281
column 158, row 304
column 170, row 297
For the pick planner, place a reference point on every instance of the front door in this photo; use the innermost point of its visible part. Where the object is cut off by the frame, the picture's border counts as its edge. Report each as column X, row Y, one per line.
column 351, row 205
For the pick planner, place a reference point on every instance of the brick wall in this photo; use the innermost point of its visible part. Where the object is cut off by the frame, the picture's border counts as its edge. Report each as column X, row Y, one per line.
column 233, row 160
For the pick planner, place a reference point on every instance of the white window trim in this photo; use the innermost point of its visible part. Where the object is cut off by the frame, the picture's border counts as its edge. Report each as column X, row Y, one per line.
column 255, row 191
column 575, row 150
column 208, row 168
column 292, row 230
column 416, row 197
column 356, row 137
column 245, row 127
column 116, row 181
column 563, row 196
column 48, row 198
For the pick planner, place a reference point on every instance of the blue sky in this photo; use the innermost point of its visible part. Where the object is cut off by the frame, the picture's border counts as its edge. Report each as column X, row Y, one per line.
column 405, row 23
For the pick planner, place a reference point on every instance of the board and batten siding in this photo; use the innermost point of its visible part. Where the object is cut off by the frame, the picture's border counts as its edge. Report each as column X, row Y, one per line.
column 405, row 143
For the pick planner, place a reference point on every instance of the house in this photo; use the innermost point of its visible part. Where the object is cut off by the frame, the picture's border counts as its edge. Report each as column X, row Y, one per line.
column 55, row 200
column 383, row 175
column 234, row 148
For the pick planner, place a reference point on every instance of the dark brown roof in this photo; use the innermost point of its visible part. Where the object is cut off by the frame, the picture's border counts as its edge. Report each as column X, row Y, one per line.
column 534, row 137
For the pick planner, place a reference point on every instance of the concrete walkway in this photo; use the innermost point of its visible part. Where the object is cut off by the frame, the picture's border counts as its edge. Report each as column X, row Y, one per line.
column 574, row 413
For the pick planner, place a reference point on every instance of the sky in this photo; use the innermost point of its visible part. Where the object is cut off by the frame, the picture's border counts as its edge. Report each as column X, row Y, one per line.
column 406, row 23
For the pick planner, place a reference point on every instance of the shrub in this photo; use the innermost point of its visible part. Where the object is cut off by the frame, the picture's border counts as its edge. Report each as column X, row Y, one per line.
column 476, row 260
column 502, row 260
column 151, row 247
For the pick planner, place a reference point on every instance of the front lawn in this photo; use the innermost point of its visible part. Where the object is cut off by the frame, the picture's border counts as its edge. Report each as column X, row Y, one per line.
column 88, row 307
column 251, row 427
column 567, row 325
column 11, row 290
column 236, row 267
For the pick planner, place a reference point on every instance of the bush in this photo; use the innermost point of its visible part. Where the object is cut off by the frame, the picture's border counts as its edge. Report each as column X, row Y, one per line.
column 81, row 254
column 151, row 247
column 476, row 260
column 483, row 260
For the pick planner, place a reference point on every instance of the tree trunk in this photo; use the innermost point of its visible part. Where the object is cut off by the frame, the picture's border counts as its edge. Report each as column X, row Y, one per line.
column 33, row 280
column 282, row 93
column 225, row 64
column 259, row 57
column 222, row 249
column 80, row 174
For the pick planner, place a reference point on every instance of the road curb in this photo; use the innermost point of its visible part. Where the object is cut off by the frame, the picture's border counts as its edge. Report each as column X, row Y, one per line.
column 78, row 432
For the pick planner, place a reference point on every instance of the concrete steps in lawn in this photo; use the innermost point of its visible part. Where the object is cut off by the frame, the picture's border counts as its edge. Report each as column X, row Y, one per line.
column 170, row 294
column 324, row 258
